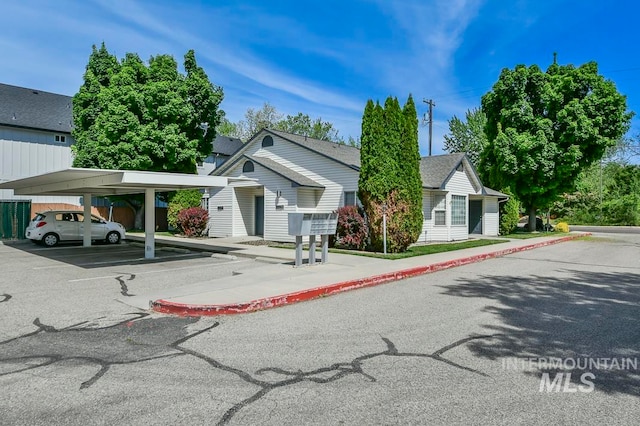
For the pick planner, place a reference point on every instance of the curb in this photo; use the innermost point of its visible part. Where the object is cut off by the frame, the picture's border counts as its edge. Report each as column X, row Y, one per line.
column 183, row 309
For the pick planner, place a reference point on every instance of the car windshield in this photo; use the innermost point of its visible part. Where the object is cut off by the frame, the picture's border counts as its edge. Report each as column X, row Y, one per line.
column 38, row 217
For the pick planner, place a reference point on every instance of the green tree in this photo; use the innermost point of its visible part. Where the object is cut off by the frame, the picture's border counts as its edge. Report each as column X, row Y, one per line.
column 132, row 116
column 302, row 124
column 467, row 136
column 544, row 128
column 389, row 181
column 410, row 166
column 509, row 213
column 269, row 117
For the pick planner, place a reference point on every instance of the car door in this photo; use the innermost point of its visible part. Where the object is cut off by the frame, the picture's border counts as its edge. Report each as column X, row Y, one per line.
column 97, row 228
column 66, row 226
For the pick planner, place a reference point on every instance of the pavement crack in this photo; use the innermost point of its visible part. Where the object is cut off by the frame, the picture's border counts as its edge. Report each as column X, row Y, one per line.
column 124, row 290
column 5, row 297
column 151, row 345
column 335, row 371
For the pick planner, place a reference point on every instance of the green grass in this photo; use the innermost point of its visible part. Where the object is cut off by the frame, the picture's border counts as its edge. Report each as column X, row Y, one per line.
column 413, row 251
column 525, row 235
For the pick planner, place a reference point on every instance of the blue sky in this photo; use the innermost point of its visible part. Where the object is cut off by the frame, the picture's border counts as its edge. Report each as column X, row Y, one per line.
column 326, row 58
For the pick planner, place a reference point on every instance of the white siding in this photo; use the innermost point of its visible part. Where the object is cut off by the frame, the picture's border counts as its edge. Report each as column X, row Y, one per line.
column 459, row 184
column 308, row 198
column 20, row 159
column 490, row 219
column 221, row 202
column 335, row 177
column 430, row 232
column 244, row 212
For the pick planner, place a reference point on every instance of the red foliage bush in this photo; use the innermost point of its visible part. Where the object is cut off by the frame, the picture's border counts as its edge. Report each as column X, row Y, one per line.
column 352, row 230
column 193, row 221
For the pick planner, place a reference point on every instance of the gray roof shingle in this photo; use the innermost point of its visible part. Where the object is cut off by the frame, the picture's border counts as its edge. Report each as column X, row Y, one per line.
column 285, row 172
column 345, row 154
column 226, row 145
column 35, row 109
column 436, row 169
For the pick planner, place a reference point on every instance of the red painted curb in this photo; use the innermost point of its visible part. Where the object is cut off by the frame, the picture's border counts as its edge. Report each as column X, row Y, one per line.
column 183, row 309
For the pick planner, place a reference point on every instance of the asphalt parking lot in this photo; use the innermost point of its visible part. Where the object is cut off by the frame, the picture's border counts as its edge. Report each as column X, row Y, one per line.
column 459, row 346
column 71, row 282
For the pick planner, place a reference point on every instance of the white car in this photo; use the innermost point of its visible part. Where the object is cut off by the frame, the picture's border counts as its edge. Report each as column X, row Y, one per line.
column 53, row 226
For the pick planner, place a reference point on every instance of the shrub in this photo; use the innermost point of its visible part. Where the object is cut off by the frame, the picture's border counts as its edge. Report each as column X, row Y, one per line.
column 193, row 221
column 509, row 213
column 352, row 230
column 562, row 227
column 179, row 201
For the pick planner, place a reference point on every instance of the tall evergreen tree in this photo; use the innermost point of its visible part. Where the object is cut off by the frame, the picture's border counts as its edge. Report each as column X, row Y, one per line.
column 410, row 162
column 390, row 175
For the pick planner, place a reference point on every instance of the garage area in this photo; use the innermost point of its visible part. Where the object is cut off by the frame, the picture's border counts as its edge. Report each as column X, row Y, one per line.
column 104, row 182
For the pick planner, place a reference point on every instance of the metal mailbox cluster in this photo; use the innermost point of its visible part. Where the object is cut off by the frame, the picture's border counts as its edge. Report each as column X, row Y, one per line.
column 312, row 224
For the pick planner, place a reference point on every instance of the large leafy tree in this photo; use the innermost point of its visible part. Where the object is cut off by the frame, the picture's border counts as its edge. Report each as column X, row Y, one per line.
column 133, row 116
column 544, row 128
column 389, row 179
column 467, row 135
column 269, row 117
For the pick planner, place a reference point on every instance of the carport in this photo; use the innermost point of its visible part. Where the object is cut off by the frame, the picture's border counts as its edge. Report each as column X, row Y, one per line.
column 90, row 182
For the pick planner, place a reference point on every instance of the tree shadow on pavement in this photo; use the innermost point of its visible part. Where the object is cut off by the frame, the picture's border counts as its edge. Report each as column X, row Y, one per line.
column 585, row 317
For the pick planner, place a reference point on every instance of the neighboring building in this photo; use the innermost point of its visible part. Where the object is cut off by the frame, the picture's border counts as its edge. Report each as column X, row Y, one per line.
column 293, row 173
column 223, row 148
column 35, row 138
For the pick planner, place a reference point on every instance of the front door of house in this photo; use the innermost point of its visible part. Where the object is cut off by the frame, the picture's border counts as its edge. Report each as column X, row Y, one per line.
column 475, row 216
column 259, row 215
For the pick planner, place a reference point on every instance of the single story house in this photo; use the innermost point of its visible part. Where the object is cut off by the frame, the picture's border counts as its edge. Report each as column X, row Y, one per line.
column 284, row 172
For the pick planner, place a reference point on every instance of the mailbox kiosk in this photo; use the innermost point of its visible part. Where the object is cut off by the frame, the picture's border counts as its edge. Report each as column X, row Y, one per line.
column 312, row 224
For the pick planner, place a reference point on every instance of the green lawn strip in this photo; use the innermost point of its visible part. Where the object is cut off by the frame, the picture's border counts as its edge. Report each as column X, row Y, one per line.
column 526, row 235
column 413, row 251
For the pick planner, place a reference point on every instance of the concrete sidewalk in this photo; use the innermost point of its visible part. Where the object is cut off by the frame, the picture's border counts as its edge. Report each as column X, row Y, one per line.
column 278, row 283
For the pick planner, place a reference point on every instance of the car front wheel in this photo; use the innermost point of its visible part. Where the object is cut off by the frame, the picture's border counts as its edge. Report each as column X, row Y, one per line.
column 113, row 238
column 50, row 240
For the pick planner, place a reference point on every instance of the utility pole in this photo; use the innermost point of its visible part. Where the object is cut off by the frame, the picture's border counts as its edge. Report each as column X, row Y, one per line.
column 431, row 105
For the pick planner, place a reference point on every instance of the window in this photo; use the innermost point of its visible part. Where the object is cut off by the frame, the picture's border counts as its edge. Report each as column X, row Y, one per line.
column 350, row 198
column 440, row 210
column 458, row 210
column 60, row 138
column 248, row 167
column 267, row 141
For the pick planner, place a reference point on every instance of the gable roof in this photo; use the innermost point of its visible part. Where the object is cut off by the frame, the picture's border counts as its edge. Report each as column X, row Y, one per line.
column 345, row 154
column 435, row 170
column 226, row 145
column 34, row 109
column 294, row 177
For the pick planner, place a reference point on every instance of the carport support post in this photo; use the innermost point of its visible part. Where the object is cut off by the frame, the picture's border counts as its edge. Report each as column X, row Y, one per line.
column 86, row 235
column 149, row 223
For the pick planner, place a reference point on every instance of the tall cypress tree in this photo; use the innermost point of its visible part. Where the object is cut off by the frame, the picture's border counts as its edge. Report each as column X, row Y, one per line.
column 390, row 175
column 410, row 160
